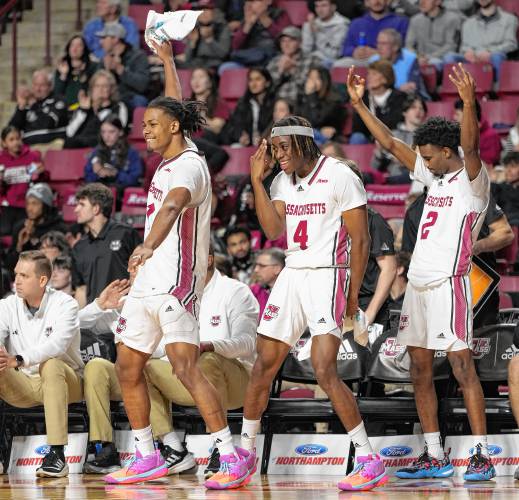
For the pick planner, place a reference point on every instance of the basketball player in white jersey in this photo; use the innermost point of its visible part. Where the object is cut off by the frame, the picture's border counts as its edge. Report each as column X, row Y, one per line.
column 437, row 309
column 165, row 296
column 319, row 203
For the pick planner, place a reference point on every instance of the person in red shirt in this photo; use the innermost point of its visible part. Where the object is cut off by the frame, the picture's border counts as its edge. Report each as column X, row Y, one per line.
column 19, row 167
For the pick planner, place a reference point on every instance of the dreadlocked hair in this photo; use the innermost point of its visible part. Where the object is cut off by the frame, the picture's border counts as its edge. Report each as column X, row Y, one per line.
column 190, row 114
column 438, row 131
column 305, row 146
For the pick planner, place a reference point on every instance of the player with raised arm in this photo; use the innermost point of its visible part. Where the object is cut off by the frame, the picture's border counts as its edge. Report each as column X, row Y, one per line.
column 437, row 309
column 164, row 299
column 320, row 203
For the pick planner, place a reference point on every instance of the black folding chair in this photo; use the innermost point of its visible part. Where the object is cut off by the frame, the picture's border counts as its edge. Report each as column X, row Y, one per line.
column 509, row 316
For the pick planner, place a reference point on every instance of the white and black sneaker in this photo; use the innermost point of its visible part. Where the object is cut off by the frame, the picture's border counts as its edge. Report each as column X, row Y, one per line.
column 54, row 465
column 177, row 461
column 106, row 461
column 214, row 464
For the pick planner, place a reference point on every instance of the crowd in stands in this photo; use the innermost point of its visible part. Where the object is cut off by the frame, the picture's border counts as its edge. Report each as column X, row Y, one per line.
column 90, row 101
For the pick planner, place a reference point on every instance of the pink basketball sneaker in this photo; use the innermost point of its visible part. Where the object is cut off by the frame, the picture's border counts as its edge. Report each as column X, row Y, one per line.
column 235, row 471
column 367, row 474
column 139, row 469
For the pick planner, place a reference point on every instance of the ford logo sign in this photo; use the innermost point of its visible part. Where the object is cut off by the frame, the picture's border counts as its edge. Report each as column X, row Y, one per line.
column 395, row 451
column 43, row 449
column 311, row 449
column 493, row 449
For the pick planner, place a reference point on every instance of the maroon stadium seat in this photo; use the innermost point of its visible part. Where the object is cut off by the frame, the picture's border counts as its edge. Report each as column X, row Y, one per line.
column 483, row 73
column 509, row 284
column 506, row 256
column 508, row 81
column 233, row 84
column 68, row 197
column 502, row 113
column 239, row 160
column 339, row 75
column 67, row 164
column 135, row 136
column 297, row 10
column 134, row 206
column 139, row 13
column 430, row 77
column 184, row 75
column 505, row 301
column 509, row 5
column 388, row 200
column 440, row 108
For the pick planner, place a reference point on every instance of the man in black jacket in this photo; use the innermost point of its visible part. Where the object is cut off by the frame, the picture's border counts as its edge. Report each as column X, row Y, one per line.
column 39, row 116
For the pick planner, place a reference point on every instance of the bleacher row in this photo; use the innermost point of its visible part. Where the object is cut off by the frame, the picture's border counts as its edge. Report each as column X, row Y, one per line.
column 385, row 363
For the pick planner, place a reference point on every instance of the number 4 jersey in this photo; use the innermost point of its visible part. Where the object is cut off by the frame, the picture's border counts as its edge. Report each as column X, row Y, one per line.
column 314, row 205
column 453, row 213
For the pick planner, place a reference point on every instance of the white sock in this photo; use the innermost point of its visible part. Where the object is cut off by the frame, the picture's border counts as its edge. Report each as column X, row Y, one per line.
column 171, row 439
column 483, row 441
column 249, row 430
column 223, row 441
column 434, row 445
column 360, row 441
column 144, row 441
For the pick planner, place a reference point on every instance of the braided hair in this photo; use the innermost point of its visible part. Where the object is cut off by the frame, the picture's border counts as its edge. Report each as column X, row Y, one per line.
column 188, row 113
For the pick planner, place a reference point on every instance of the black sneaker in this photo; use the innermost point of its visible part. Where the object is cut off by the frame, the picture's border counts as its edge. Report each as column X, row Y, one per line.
column 214, row 464
column 54, row 465
column 177, row 461
column 106, row 461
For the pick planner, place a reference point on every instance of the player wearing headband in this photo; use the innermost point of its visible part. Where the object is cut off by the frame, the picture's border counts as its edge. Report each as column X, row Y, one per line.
column 321, row 205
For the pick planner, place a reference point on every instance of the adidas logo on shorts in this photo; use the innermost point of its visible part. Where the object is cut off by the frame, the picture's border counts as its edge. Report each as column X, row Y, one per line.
column 169, row 309
column 321, row 321
column 441, row 336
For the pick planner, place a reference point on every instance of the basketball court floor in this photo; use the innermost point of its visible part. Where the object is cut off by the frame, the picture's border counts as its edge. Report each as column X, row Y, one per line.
column 275, row 487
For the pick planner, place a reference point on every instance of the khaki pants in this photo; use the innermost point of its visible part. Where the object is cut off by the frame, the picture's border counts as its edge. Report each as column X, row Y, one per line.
column 102, row 386
column 55, row 387
column 228, row 376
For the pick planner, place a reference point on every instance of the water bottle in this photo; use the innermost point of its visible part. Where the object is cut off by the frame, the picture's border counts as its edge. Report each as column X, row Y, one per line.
column 362, row 39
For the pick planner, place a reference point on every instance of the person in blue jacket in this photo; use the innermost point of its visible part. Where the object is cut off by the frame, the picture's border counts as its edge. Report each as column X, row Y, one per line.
column 114, row 162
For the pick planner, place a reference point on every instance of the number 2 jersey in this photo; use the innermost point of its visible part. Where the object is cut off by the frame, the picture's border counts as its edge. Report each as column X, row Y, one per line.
column 316, row 236
column 453, row 213
column 179, row 264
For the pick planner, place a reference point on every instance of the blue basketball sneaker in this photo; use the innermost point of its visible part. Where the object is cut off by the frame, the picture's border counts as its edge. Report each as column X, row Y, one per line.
column 426, row 466
column 480, row 467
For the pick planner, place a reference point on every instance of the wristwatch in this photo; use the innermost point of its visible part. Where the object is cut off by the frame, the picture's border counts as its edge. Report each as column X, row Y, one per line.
column 19, row 361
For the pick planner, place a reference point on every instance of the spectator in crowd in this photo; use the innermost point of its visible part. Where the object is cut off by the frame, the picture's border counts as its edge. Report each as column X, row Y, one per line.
column 507, row 193
column 21, row 166
column 41, row 217
column 290, row 68
column 361, row 40
column 238, row 241
column 101, row 100
column 73, row 71
column 267, row 266
column 53, row 245
column 382, row 98
column 253, row 113
column 414, row 111
column 61, row 278
column 399, row 285
column 511, row 142
column 204, row 88
column 489, row 141
column 208, row 45
column 109, row 11
column 39, row 355
column 350, row 9
column 405, row 63
column 228, row 322
column 114, row 162
column 39, row 116
column 324, row 33
column 495, row 234
column 321, row 105
column 100, row 256
column 128, row 64
column 487, row 36
column 434, row 32
column 254, row 42
column 233, row 12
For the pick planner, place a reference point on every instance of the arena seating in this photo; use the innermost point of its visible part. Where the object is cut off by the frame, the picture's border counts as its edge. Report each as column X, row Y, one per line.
column 508, row 83
column 239, row 161
column 297, row 10
column 139, row 13
column 233, row 85
column 483, row 75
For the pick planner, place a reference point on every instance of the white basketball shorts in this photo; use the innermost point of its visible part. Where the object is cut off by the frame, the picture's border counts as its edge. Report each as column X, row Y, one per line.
column 438, row 317
column 305, row 297
column 145, row 320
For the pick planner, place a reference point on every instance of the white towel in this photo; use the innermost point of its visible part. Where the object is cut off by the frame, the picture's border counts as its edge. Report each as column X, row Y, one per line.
column 169, row 26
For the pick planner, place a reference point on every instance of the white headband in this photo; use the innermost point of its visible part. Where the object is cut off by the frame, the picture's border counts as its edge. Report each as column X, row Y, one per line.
column 292, row 130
